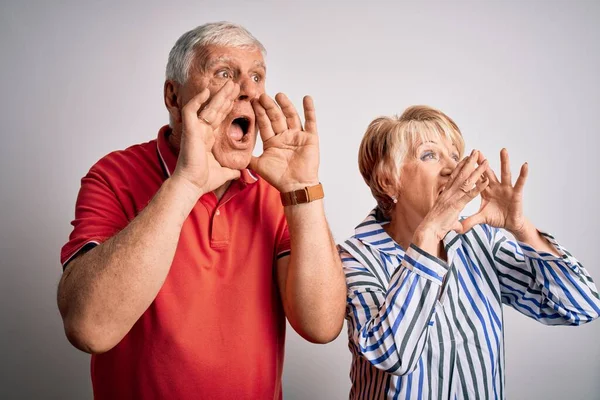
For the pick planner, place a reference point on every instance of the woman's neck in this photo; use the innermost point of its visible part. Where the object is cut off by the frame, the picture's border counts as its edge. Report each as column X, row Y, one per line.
column 402, row 227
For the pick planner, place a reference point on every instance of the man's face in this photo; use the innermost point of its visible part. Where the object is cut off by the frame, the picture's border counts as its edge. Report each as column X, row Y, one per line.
column 212, row 68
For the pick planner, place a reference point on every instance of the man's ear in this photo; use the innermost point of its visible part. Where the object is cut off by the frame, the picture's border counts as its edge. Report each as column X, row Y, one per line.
column 171, row 94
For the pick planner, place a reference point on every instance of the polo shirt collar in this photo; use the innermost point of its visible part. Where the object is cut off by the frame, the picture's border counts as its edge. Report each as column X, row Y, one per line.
column 168, row 157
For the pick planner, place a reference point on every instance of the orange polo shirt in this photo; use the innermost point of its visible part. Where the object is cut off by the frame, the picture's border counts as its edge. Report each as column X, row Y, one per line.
column 216, row 329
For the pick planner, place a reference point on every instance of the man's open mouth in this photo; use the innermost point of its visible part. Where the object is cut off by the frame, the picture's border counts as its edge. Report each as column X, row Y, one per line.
column 239, row 128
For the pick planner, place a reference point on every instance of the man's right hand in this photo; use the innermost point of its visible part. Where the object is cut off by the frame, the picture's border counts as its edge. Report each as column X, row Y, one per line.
column 201, row 117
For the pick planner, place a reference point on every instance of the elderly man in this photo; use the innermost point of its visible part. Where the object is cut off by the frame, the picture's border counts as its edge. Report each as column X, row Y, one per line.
column 183, row 263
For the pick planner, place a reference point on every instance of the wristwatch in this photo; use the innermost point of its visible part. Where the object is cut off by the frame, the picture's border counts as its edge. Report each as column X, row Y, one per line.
column 306, row 195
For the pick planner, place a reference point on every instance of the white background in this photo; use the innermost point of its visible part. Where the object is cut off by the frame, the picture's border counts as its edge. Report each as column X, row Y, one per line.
column 80, row 79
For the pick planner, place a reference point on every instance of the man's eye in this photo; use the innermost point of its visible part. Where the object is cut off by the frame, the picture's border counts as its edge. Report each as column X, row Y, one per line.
column 224, row 74
column 256, row 78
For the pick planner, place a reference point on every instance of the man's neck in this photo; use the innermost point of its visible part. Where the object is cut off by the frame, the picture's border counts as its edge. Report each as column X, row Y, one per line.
column 220, row 191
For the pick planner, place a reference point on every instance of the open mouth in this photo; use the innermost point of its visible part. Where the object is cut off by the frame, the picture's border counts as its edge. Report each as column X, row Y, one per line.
column 239, row 128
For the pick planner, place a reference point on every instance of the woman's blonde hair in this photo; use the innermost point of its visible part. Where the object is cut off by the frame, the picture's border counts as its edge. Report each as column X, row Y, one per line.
column 388, row 140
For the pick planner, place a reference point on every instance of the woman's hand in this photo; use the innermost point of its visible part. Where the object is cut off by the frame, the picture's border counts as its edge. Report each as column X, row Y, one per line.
column 465, row 183
column 501, row 202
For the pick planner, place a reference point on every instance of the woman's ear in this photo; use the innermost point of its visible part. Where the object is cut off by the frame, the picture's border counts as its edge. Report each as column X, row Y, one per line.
column 171, row 94
column 391, row 188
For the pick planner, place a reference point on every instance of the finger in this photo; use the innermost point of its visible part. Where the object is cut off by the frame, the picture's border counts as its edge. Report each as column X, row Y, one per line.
column 505, row 168
column 291, row 116
column 217, row 108
column 470, row 222
column 190, row 110
column 310, row 116
column 471, row 194
column 474, row 177
column 278, row 121
column 263, row 122
column 465, row 171
column 230, row 174
column 456, row 171
column 491, row 175
column 520, row 184
column 458, row 228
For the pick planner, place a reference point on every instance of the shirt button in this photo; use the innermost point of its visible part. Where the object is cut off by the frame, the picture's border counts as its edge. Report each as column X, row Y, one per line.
column 218, row 212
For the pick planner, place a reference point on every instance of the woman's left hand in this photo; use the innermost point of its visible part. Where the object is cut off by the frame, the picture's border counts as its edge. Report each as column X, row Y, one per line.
column 501, row 202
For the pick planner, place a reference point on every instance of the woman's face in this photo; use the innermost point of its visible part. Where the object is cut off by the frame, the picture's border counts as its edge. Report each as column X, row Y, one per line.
column 423, row 175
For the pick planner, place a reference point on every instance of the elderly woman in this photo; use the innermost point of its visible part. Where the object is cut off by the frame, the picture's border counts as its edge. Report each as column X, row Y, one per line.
column 425, row 288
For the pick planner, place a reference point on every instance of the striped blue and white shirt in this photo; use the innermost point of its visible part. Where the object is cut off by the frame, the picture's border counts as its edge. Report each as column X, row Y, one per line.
column 421, row 328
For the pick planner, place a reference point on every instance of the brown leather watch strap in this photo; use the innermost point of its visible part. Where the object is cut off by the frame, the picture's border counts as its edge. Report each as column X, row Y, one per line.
column 306, row 195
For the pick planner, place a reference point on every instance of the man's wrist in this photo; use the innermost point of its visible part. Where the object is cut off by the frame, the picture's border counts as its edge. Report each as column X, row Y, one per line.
column 185, row 188
column 291, row 187
column 303, row 195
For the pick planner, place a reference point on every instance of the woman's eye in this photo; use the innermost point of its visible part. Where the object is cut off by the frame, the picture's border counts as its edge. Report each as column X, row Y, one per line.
column 428, row 155
column 456, row 158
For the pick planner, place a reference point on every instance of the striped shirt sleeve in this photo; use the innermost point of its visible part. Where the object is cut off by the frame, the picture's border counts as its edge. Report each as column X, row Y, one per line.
column 389, row 314
column 553, row 290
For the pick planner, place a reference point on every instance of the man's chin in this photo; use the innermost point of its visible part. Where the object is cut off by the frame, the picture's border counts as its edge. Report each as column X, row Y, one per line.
column 235, row 161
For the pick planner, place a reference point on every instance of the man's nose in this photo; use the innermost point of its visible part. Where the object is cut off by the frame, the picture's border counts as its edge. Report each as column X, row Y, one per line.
column 248, row 88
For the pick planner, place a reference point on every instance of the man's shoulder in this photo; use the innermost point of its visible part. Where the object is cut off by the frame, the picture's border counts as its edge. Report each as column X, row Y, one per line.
column 130, row 159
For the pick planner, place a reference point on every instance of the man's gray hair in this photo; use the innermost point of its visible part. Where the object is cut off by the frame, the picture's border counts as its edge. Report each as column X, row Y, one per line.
column 214, row 33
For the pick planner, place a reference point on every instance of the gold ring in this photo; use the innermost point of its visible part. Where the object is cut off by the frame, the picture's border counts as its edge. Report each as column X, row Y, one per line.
column 207, row 122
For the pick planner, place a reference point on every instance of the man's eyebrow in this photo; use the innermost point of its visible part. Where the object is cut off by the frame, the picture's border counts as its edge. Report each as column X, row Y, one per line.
column 218, row 60
column 260, row 64
column 225, row 59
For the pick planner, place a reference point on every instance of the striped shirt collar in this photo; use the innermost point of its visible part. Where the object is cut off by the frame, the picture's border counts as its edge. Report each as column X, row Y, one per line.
column 168, row 157
column 372, row 234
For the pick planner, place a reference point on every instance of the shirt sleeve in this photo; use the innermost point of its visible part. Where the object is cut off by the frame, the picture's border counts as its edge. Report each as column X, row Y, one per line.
column 283, row 243
column 553, row 290
column 98, row 216
column 389, row 322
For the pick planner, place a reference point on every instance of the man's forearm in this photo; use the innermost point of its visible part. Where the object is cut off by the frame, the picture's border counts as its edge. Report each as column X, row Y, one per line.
column 104, row 292
column 315, row 295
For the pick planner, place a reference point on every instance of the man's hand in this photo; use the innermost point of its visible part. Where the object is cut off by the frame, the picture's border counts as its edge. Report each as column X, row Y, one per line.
column 501, row 202
column 201, row 117
column 290, row 158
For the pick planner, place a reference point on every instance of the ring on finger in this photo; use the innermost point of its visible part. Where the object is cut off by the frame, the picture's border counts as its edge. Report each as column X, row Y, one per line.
column 207, row 122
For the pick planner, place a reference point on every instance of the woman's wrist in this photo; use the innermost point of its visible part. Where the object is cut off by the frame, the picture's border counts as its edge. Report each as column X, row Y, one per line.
column 426, row 237
column 525, row 233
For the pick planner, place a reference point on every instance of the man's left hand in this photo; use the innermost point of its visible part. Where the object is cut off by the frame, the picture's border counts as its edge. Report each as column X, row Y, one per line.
column 290, row 158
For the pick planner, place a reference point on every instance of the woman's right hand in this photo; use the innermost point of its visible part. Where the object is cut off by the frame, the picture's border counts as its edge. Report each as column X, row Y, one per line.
column 465, row 183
